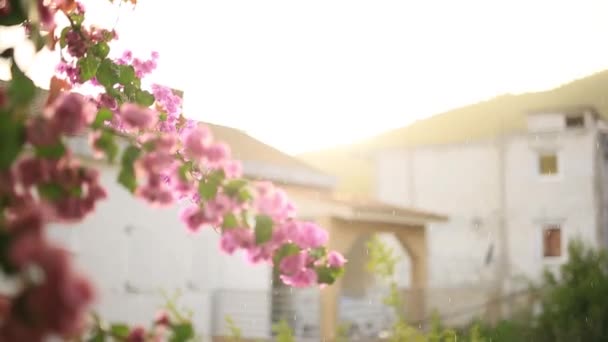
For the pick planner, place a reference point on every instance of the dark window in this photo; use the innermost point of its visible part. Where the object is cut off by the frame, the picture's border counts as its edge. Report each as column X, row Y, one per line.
column 552, row 241
column 547, row 164
column 575, row 121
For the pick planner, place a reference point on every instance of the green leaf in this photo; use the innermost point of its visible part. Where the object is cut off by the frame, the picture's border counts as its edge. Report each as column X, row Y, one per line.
column 130, row 155
column 75, row 191
column 126, row 178
column 39, row 41
column 230, row 221
column 55, row 151
column 130, row 91
column 51, row 191
column 115, row 93
column 245, row 195
column 107, row 74
column 99, row 336
column 144, row 98
column 285, row 250
column 328, row 275
column 107, row 144
column 182, row 332
column 318, row 252
column 101, row 50
column 103, row 115
column 208, row 187
column 21, row 90
column 16, row 15
column 12, row 139
column 263, row 229
column 88, row 66
column 126, row 74
column 232, row 187
column 6, row 239
column 184, row 169
column 77, row 18
column 62, row 38
column 120, row 330
column 238, row 188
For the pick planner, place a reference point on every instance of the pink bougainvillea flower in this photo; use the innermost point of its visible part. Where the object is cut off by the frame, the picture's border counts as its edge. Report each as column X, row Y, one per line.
column 335, row 259
column 292, row 264
column 236, row 238
column 303, row 278
column 193, row 217
column 70, row 113
column 197, row 141
column 40, row 133
column 136, row 116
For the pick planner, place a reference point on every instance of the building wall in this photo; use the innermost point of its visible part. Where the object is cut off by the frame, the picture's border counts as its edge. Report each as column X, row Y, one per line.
column 602, row 162
column 567, row 199
column 463, row 181
column 135, row 251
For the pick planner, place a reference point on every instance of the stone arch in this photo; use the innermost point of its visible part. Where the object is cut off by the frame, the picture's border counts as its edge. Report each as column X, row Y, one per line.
column 343, row 236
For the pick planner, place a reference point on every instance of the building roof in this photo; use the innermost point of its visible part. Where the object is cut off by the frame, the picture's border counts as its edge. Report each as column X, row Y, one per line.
column 567, row 110
column 363, row 204
column 358, row 209
column 264, row 161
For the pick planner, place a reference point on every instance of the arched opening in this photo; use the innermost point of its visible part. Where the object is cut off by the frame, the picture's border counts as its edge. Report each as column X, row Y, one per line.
column 362, row 313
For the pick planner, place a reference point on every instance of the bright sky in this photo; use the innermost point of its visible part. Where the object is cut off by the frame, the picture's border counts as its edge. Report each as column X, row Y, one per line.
column 303, row 75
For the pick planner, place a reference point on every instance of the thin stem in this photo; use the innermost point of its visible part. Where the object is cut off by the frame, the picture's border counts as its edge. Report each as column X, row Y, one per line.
column 75, row 27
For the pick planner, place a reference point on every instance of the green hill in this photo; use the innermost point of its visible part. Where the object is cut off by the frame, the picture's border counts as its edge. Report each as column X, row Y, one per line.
column 481, row 120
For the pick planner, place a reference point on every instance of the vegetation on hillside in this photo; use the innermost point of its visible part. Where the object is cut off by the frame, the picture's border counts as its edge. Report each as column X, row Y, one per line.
column 483, row 120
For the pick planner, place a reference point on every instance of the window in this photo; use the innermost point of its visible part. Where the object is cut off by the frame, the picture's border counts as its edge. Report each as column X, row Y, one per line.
column 547, row 164
column 575, row 121
column 552, row 241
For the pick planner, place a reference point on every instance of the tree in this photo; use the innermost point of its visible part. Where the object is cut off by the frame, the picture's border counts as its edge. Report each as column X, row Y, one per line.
column 574, row 306
column 162, row 157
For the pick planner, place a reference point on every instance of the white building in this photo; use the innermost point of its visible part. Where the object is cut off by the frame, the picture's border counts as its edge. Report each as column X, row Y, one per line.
column 135, row 253
column 514, row 201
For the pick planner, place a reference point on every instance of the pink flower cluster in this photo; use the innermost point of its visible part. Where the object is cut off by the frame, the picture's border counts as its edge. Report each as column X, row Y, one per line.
column 48, row 186
column 70, row 190
column 143, row 67
column 69, row 114
column 152, row 167
column 160, row 331
column 46, row 12
column 58, row 304
column 168, row 158
column 170, row 104
column 57, row 300
column 200, row 148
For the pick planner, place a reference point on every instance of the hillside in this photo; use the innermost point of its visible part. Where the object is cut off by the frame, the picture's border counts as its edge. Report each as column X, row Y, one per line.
column 485, row 119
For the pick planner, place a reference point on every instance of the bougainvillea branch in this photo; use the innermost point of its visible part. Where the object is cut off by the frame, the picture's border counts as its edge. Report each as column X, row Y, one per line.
column 162, row 156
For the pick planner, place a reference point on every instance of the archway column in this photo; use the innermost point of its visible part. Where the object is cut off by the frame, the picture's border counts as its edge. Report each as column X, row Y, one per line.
column 415, row 243
column 343, row 235
column 341, row 240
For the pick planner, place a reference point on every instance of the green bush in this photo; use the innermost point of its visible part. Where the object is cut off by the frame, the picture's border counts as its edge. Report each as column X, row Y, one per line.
column 575, row 305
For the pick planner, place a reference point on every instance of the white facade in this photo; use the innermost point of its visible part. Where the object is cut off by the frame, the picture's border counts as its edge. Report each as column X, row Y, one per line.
column 137, row 253
column 134, row 252
column 477, row 183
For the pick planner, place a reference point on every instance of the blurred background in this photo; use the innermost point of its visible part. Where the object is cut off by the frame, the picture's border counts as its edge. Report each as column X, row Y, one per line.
column 464, row 143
